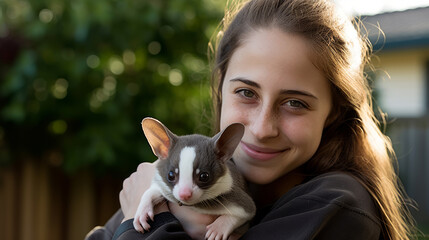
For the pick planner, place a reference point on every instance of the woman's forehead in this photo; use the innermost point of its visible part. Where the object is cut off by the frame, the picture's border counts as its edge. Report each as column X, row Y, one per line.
column 277, row 57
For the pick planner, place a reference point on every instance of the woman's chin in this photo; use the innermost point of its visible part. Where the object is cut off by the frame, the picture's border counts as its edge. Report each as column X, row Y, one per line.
column 259, row 176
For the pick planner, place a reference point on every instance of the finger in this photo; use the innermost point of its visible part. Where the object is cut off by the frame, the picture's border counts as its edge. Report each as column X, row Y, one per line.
column 121, row 196
column 129, row 182
column 125, row 183
column 142, row 166
column 208, row 234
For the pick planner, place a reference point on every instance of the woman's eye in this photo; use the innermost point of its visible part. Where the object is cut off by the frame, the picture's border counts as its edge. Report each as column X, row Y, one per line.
column 246, row 93
column 296, row 104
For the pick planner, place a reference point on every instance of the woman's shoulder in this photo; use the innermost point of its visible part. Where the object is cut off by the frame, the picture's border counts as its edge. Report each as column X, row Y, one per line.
column 333, row 185
column 330, row 206
column 339, row 189
column 338, row 192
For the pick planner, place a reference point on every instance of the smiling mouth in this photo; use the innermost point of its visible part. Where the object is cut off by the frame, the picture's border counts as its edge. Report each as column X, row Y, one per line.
column 260, row 153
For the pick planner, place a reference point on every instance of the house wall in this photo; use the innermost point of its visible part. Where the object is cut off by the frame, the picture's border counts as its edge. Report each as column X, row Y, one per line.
column 401, row 82
column 401, row 90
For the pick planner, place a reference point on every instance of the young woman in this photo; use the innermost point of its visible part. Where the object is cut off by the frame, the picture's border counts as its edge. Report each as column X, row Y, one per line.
column 317, row 164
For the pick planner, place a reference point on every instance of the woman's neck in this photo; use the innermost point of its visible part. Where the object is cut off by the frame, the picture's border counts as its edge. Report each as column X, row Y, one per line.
column 268, row 193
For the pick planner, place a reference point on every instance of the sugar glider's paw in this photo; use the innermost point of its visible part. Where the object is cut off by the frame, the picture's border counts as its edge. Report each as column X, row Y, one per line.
column 221, row 228
column 141, row 219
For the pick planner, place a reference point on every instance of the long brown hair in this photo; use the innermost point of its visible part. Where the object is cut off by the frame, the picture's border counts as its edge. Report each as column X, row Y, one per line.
column 352, row 140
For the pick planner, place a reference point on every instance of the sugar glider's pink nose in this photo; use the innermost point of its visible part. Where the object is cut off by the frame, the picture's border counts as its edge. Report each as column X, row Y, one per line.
column 185, row 193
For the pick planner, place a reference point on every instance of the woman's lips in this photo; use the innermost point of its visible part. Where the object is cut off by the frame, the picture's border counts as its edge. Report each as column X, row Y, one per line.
column 260, row 153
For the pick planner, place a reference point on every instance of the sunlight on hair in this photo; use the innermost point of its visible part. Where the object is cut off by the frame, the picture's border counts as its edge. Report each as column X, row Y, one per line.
column 355, row 48
column 354, row 45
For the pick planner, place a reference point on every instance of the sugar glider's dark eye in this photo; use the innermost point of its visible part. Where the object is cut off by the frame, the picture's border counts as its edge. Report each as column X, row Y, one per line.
column 204, row 177
column 171, row 176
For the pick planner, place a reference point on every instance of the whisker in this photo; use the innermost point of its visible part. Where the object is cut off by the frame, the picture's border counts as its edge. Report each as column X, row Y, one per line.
column 220, row 202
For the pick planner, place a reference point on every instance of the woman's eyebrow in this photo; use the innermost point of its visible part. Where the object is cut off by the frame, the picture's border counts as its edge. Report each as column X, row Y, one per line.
column 297, row 92
column 246, row 81
column 283, row 92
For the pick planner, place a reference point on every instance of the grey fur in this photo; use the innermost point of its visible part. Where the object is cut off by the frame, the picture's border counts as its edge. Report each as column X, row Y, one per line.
column 213, row 155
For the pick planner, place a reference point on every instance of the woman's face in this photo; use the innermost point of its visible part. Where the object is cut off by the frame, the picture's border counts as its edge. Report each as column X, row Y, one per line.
column 272, row 87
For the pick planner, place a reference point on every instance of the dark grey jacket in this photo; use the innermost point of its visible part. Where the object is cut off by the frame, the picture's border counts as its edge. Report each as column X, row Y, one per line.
column 331, row 206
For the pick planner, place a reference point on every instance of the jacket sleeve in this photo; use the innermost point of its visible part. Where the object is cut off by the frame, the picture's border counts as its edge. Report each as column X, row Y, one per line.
column 164, row 226
column 106, row 232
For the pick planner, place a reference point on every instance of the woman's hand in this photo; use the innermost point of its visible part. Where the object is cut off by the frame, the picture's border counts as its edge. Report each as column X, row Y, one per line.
column 134, row 187
column 193, row 223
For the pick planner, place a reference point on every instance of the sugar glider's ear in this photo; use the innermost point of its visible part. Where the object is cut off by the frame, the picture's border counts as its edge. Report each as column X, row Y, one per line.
column 158, row 136
column 227, row 140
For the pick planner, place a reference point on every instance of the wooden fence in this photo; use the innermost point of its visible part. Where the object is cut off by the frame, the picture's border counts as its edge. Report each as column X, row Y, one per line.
column 410, row 138
column 39, row 202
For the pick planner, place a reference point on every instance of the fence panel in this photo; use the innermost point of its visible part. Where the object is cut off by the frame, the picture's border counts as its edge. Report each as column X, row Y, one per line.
column 39, row 202
column 410, row 138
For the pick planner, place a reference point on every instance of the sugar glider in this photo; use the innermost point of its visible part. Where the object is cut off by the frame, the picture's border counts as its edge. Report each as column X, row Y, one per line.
column 197, row 171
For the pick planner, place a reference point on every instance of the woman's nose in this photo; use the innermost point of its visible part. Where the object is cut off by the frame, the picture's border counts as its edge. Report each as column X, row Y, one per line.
column 265, row 124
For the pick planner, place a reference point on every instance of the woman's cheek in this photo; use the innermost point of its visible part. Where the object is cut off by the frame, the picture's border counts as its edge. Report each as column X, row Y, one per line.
column 233, row 112
column 306, row 132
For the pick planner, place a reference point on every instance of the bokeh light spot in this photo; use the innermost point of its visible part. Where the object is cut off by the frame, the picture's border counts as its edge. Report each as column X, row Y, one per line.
column 175, row 77
column 164, row 69
column 46, row 15
column 58, row 127
column 154, row 47
column 129, row 57
column 93, row 61
column 116, row 66
column 59, row 89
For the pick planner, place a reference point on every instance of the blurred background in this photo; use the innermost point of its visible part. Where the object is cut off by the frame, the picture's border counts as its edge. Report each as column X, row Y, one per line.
column 77, row 77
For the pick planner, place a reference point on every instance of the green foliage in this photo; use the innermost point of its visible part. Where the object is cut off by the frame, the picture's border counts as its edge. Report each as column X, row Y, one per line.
column 77, row 77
